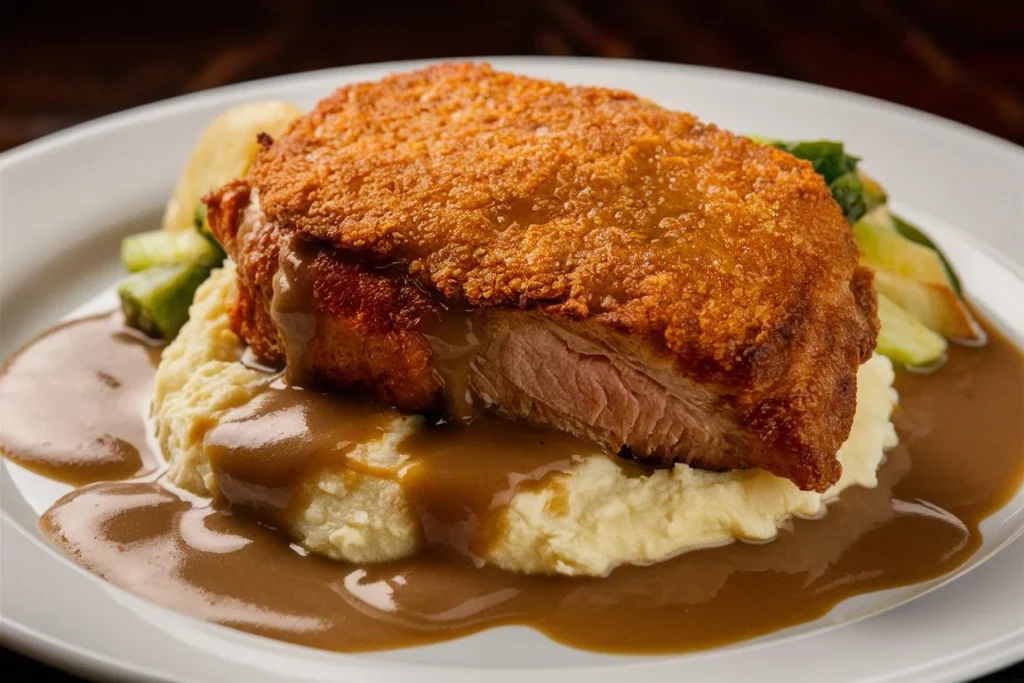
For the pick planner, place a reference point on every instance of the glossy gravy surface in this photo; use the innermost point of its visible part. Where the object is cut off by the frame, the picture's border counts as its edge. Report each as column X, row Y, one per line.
column 960, row 458
column 72, row 402
column 456, row 476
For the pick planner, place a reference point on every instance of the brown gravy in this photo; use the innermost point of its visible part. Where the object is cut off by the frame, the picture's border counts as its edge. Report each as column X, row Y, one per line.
column 453, row 344
column 72, row 402
column 460, row 475
column 263, row 452
column 960, row 459
column 291, row 308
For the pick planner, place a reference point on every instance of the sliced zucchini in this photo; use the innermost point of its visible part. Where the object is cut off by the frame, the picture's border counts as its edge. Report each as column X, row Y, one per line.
column 882, row 247
column 156, row 300
column 913, row 234
column 904, row 339
column 936, row 306
column 159, row 248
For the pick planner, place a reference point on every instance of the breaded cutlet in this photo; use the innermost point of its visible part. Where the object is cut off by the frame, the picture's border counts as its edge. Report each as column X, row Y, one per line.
column 698, row 291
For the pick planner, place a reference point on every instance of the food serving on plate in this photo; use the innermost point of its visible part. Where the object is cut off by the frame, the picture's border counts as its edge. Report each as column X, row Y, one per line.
column 460, row 348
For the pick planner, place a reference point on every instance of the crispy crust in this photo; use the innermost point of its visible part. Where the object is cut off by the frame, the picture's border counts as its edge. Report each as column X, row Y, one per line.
column 495, row 190
column 366, row 321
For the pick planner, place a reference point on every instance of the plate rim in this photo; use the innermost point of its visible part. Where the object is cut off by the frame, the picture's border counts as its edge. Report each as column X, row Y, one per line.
column 171, row 104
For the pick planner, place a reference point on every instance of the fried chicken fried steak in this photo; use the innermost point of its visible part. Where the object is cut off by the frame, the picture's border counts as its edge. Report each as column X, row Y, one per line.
column 577, row 257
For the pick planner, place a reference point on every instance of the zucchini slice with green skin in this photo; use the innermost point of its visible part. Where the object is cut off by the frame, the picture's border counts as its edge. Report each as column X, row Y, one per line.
column 204, row 229
column 883, row 247
column 915, row 235
column 915, row 275
column 905, row 340
column 155, row 301
column 161, row 248
column 937, row 307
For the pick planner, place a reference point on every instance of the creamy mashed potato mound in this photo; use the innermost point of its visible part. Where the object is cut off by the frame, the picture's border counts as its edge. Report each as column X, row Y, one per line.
column 349, row 517
column 583, row 522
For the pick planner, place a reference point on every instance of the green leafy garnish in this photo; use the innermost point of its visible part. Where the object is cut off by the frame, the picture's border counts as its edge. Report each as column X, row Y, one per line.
column 828, row 157
column 839, row 169
column 848, row 191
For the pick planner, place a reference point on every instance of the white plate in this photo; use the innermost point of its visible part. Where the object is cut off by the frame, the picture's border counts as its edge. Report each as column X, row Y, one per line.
column 67, row 199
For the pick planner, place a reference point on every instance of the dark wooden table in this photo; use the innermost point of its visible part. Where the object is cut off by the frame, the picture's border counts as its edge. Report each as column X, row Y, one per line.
column 61, row 64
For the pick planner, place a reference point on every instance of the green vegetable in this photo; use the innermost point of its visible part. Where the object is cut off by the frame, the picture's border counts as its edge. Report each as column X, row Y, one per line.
column 828, row 157
column 936, row 306
column 917, row 237
column 904, row 339
column 162, row 248
column 167, row 267
column 874, row 194
column 882, row 247
column 848, row 191
column 839, row 169
column 156, row 300
column 203, row 226
column 925, row 291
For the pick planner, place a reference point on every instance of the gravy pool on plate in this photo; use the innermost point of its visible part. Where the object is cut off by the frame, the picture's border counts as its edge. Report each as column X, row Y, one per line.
column 920, row 522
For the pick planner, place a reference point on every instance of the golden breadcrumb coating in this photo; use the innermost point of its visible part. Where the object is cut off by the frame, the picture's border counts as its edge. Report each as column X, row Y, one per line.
column 496, row 190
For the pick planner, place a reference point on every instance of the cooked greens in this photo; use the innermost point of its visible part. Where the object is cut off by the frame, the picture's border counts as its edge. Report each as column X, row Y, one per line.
column 848, row 191
column 839, row 169
column 168, row 265
column 828, row 157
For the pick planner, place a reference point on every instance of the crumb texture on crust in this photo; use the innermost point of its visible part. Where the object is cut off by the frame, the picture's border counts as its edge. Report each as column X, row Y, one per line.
column 505, row 190
column 602, row 517
column 588, row 203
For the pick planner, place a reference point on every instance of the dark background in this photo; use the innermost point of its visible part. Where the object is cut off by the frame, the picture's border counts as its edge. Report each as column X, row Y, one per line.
column 63, row 63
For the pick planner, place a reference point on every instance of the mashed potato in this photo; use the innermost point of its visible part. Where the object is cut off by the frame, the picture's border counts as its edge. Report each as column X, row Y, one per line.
column 583, row 522
column 610, row 518
column 345, row 516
